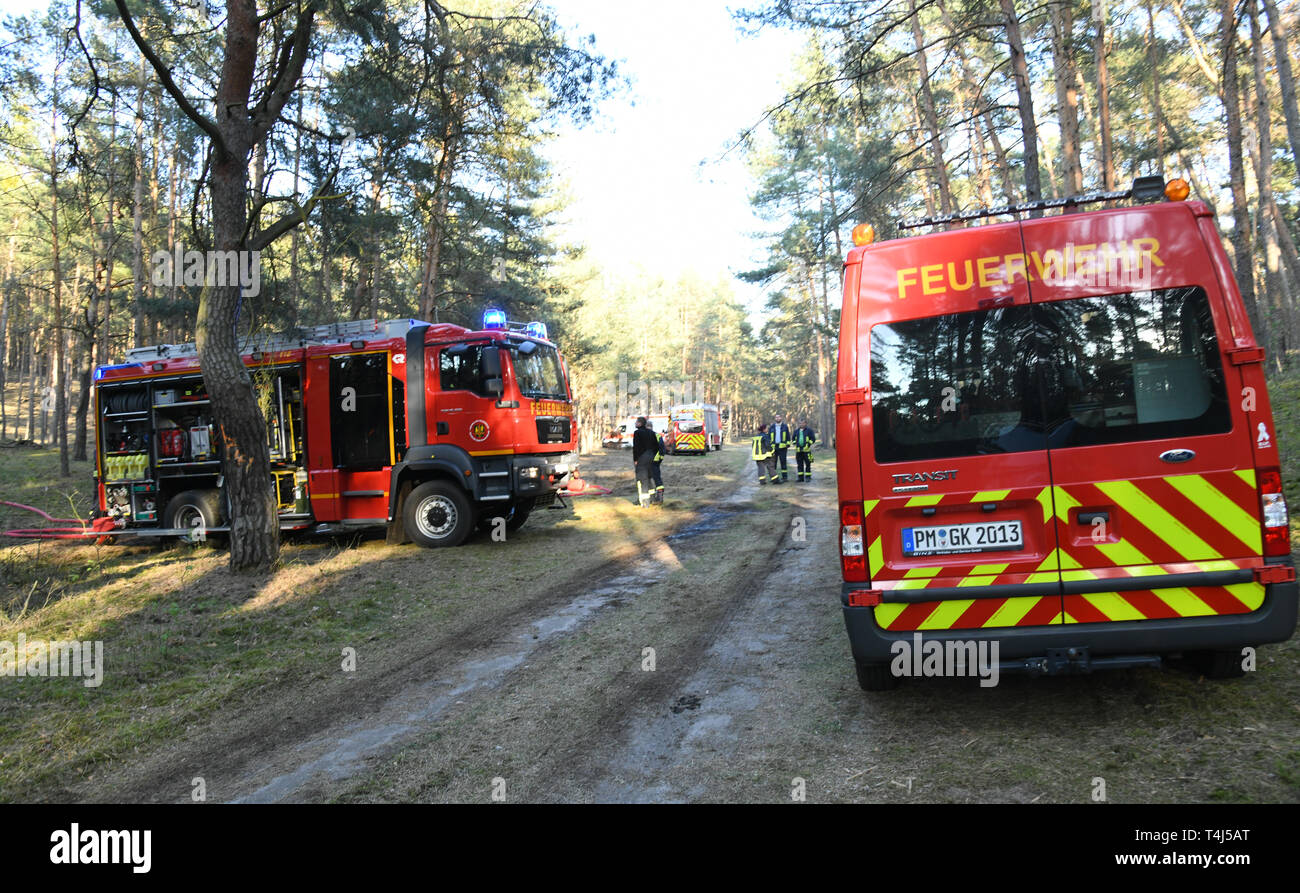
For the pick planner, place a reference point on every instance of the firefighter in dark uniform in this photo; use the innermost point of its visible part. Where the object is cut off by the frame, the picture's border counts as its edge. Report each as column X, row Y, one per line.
column 780, row 433
column 804, row 438
column 656, row 469
column 644, row 446
column 762, row 456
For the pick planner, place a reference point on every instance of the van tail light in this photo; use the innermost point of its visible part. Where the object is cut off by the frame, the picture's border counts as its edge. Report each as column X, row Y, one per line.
column 853, row 557
column 1273, row 514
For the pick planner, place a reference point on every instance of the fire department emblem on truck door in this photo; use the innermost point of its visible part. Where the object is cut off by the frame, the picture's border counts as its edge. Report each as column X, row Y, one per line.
column 479, row 430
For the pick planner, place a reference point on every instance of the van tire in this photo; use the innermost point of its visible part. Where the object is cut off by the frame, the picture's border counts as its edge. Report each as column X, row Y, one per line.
column 875, row 677
column 189, row 506
column 437, row 514
column 1217, row 664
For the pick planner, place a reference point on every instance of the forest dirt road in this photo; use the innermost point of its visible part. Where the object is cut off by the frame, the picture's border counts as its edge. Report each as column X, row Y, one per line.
column 693, row 653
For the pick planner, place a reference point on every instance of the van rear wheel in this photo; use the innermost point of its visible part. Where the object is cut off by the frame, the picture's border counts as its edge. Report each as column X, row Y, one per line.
column 875, row 677
column 1217, row 664
column 437, row 513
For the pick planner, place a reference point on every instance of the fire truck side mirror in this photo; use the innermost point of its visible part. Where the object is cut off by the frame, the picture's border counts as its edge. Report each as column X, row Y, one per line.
column 491, row 370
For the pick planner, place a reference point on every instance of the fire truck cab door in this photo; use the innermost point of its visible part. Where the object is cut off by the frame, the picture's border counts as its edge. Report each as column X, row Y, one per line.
column 464, row 410
column 961, row 537
column 1152, row 477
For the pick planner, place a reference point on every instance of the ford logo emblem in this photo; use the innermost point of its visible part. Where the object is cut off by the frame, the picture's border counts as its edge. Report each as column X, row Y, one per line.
column 1177, row 456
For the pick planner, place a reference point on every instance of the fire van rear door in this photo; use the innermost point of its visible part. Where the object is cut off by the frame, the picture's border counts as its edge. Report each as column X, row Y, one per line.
column 1153, row 483
column 960, row 534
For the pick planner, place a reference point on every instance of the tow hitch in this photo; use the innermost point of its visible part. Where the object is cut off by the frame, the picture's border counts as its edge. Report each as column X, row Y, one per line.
column 1075, row 661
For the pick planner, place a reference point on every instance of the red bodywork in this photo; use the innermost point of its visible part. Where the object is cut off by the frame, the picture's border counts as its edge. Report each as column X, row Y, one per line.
column 1091, row 515
column 462, row 425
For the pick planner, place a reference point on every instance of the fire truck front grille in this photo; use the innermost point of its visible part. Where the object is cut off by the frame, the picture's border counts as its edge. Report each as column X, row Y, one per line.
column 552, row 430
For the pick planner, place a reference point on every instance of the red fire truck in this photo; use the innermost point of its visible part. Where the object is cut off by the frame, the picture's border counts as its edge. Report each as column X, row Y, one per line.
column 423, row 429
column 1054, row 434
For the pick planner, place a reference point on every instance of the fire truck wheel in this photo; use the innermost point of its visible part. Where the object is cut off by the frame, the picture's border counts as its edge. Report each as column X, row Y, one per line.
column 437, row 513
column 192, row 508
column 1217, row 664
column 522, row 510
column 875, row 677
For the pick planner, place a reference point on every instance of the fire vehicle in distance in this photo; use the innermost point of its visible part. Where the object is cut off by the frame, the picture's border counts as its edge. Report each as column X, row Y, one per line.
column 424, row 429
column 1054, row 434
column 620, row 438
column 696, row 428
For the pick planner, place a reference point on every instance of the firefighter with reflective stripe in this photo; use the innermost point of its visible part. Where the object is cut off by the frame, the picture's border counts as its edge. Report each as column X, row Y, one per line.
column 780, row 432
column 804, row 438
column 644, row 446
column 656, row 471
column 762, row 454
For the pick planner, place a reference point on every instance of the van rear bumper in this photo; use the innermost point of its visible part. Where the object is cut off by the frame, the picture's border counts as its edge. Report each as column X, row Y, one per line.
column 1274, row 621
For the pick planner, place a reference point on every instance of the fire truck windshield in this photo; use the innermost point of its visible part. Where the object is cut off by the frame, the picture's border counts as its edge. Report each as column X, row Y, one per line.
column 538, row 372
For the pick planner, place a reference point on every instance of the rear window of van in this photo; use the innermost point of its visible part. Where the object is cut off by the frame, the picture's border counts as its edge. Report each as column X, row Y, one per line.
column 1119, row 368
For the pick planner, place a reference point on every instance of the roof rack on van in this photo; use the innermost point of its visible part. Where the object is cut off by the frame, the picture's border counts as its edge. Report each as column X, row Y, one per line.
column 1144, row 189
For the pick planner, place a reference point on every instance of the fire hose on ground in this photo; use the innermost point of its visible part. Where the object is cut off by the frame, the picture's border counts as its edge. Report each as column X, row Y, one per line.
column 579, row 487
column 103, row 527
column 99, row 527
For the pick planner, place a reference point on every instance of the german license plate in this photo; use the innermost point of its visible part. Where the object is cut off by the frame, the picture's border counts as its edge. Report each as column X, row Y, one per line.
column 992, row 536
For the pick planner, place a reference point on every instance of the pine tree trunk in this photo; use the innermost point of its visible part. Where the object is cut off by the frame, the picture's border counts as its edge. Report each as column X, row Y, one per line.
column 1153, row 62
column 1067, row 95
column 1020, row 73
column 1285, row 79
column 1273, row 299
column 1103, row 97
column 936, row 133
column 434, row 235
column 60, row 406
column 1243, row 261
column 137, row 216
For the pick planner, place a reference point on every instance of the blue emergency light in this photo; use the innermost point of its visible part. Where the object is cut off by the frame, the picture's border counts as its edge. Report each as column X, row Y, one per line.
column 494, row 319
column 536, row 330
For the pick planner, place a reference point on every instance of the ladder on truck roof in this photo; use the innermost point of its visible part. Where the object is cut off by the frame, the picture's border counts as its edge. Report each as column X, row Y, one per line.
column 330, row 333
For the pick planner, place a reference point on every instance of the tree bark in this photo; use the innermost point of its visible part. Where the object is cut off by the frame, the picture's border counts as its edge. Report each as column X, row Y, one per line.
column 1285, row 79
column 1103, row 97
column 1243, row 262
column 1066, row 76
column 60, row 392
column 234, row 134
column 1153, row 62
column 1273, row 298
column 931, row 115
column 137, row 215
column 1020, row 73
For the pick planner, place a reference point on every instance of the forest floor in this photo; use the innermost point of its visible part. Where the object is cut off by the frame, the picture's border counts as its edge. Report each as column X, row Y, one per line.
column 521, row 670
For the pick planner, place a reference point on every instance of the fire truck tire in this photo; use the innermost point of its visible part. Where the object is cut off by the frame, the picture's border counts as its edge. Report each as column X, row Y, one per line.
column 437, row 513
column 1217, row 664
column 187, row 508
column 875, row 677
column 522, row 509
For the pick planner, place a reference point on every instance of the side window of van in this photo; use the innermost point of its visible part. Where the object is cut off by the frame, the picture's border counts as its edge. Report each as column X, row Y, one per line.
column 1135, row 366
column 956, row 385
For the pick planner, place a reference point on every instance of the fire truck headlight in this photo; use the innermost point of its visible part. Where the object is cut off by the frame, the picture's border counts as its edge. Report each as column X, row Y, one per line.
column 529, row 473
